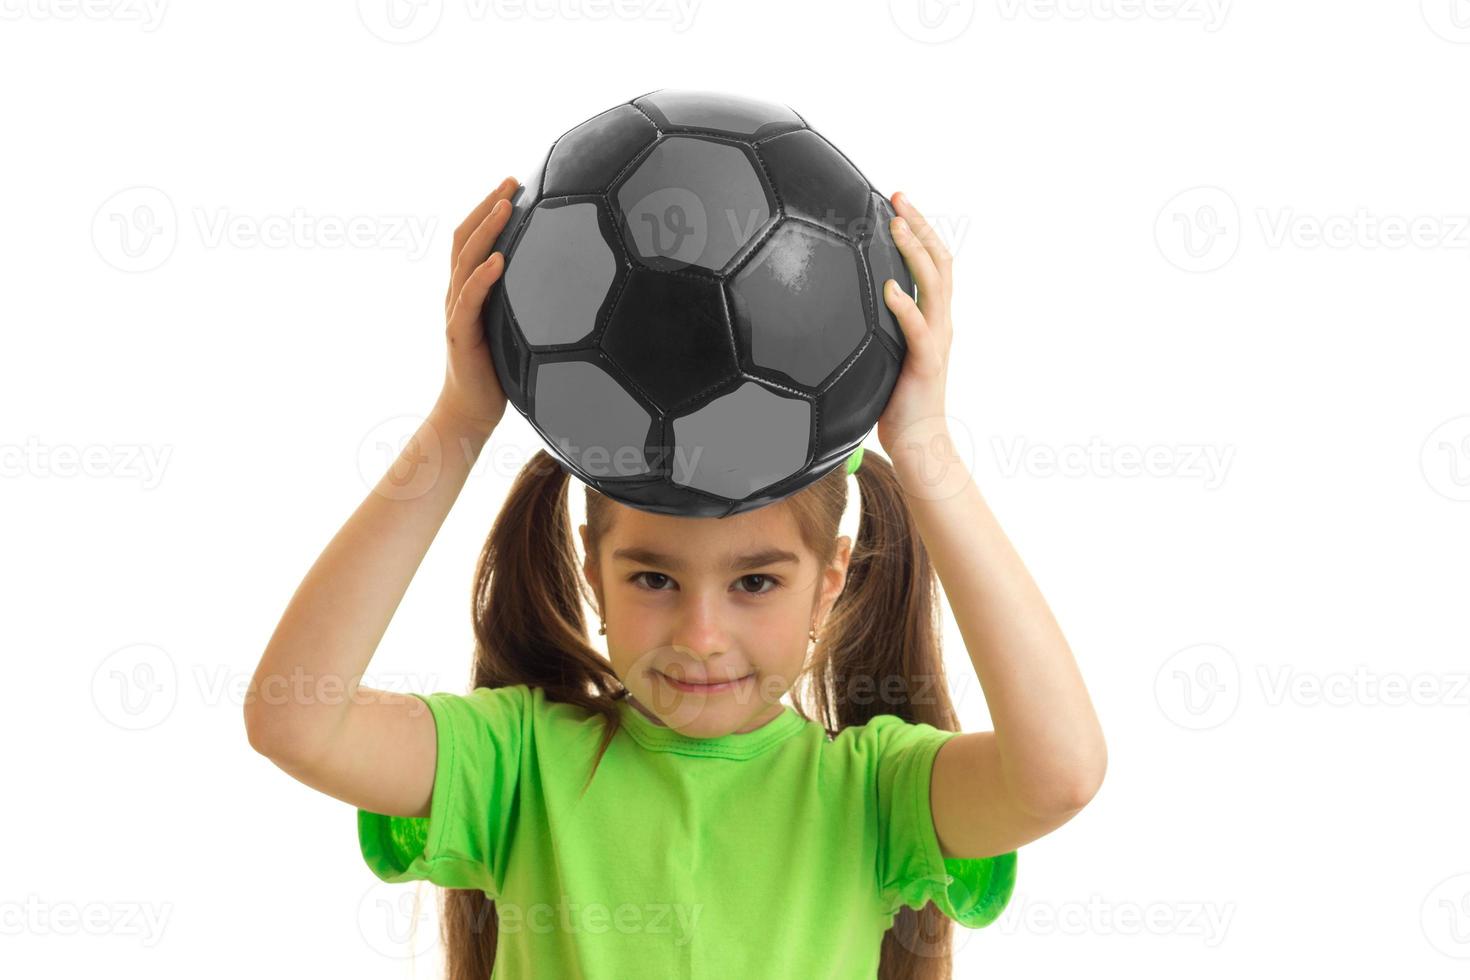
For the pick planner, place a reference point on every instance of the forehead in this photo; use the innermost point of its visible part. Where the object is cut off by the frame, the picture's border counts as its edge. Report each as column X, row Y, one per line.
column 706, row 541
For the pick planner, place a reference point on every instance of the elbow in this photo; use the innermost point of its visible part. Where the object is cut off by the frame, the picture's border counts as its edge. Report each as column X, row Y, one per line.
column 281, row 734
column 1087, row 780
column 1068, row 791
column 1082, row 790
column 1063, row 799
column 264, row 731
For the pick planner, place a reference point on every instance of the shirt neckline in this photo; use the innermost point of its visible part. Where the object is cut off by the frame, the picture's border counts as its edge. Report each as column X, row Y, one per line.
column 735, row 745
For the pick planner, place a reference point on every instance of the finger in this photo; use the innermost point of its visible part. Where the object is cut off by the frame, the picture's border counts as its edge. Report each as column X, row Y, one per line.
column 920, row 263
column 465, row 330
column 504, row 189
column 923, row 347
column 477, row 247
column 933, row 244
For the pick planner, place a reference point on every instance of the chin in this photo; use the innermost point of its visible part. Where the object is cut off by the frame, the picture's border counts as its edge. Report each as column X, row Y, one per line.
column 702, row 717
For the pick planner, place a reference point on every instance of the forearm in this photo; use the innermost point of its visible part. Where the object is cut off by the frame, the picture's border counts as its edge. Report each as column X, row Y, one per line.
column 1047, row 733
column 309, row 673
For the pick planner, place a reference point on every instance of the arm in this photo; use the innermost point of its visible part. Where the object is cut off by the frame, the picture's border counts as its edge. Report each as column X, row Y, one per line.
column 305, row 709
column 990, row 792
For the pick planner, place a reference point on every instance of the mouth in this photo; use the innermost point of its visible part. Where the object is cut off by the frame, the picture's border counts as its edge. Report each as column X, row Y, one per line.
column 713, row 688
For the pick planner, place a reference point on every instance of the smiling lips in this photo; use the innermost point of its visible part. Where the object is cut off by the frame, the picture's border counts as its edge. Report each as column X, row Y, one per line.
column 713, row 687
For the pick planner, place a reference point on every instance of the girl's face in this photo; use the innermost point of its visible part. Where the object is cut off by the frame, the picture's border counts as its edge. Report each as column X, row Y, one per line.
column 702, row 600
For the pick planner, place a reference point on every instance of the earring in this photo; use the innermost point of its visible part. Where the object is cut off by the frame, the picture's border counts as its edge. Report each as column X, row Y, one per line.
column 812, row 633
column 602, row 630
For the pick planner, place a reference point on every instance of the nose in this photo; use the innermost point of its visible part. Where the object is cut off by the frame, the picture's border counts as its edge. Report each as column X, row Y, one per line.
column 701, row 627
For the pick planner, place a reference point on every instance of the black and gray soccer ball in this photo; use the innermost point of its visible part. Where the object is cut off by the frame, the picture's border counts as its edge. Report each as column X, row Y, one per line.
column 691, row 313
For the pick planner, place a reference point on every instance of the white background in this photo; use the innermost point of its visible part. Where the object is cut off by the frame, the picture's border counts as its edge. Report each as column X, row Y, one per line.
column 1227, row 239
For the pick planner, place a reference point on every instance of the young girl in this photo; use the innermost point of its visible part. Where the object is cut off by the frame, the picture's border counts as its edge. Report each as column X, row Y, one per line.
column 661, row 811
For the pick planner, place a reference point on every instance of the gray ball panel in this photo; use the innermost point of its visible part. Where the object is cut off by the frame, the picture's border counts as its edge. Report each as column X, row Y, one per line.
column 798, row 302
column 562, row 246
column 591, row 418
column 692, row 201
column 741, row 442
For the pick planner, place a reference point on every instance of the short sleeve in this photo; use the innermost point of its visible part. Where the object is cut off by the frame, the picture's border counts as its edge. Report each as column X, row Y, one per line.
column 912, row 869
column 460, row 843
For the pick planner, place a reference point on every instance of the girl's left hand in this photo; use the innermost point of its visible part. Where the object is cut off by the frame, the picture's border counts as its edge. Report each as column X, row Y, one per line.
column 916, row 405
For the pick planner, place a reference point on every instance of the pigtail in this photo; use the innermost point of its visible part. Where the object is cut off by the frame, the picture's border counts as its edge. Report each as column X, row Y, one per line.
column 529, row 627
column 880, row 653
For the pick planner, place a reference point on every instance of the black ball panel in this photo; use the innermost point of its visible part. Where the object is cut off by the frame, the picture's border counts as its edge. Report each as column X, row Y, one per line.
column 586, row 160
column 807, row 123
column 716, row 111
column 507, row 351
column 885, row 262
column 663, row 497
column 815, row 182
column 670, row 336
column 860, row 393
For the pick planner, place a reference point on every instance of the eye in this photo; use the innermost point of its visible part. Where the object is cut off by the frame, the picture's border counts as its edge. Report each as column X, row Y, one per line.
column 637, row 577
column 640, row 578
column 774, row 584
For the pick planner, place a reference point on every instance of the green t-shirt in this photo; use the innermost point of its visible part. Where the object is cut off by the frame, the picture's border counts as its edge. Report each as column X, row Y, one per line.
column 778, row 852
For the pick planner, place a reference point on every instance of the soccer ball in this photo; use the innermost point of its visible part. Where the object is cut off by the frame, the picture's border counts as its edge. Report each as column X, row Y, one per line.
column 691, row 312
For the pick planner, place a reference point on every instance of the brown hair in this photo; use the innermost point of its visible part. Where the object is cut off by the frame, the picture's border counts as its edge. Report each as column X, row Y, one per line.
column 877, row 653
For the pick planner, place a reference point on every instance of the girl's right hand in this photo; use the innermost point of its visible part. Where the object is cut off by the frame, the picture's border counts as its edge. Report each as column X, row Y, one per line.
column 472, row 391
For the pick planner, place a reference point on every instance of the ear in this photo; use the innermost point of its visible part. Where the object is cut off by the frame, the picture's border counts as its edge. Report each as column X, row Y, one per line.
column 589, row 567
column 834, row 578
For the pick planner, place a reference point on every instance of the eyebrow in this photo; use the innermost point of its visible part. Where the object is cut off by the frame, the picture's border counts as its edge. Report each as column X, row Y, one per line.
column 758, row 559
